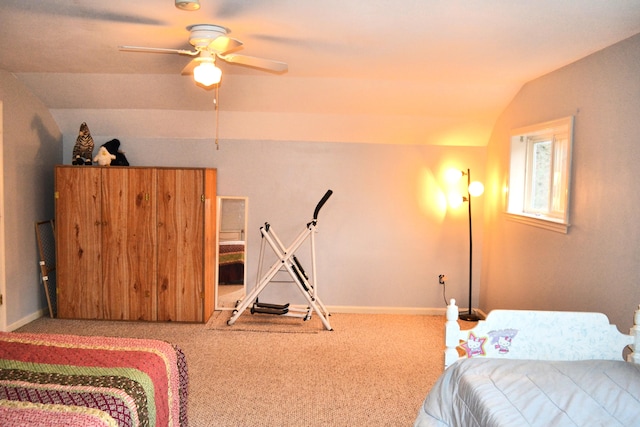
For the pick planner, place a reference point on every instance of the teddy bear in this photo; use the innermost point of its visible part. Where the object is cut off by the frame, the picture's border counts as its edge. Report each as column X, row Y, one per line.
column 113, row 147
column 104, row 158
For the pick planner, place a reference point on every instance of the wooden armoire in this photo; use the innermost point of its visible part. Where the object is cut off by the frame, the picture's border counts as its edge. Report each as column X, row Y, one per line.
column 135, row 243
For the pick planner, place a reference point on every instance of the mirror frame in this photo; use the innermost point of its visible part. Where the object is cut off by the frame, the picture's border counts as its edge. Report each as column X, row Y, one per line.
column 219, row 200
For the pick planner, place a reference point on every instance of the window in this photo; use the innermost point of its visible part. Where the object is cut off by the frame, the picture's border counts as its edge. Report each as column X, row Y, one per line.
column 539, row 174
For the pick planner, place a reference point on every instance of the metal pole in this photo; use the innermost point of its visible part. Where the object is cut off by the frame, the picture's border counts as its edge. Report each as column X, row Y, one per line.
column 470, row 315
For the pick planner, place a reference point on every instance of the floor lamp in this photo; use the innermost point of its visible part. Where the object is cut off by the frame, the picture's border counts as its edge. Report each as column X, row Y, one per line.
column 473, row 189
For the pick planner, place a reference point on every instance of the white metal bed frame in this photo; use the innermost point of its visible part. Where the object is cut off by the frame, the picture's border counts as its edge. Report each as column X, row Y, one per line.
column 540, row 335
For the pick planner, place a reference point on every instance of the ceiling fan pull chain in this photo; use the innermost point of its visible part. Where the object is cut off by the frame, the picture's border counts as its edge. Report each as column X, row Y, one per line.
column 215, row 106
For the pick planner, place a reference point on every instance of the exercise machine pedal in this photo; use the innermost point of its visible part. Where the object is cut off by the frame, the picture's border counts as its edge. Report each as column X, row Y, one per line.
column 267, row 310
column 274, row 306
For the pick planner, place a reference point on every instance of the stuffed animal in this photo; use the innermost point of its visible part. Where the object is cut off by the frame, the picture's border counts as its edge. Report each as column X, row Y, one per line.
column 113, row 147
column 104, row 158
column 83, row 150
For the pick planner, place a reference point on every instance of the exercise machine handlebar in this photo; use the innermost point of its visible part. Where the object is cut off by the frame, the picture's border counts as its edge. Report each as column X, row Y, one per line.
column 321, row 203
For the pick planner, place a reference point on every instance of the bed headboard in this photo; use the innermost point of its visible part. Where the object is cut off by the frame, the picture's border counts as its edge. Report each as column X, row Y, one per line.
column 539, row 335
column 228, row 235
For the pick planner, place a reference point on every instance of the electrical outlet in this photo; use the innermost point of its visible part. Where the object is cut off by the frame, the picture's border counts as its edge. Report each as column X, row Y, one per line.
column 442, row 279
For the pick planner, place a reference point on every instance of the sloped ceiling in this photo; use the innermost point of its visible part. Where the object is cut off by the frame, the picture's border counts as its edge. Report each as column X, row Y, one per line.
column 403, row 71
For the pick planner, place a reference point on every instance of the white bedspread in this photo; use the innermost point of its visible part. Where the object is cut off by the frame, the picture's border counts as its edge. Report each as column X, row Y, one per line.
column 503, row 392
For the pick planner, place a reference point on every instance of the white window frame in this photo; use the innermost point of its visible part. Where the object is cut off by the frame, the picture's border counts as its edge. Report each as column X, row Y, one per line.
column 520, row 202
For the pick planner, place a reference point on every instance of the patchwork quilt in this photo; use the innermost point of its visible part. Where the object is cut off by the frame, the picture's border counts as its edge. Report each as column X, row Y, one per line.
column 91, row 381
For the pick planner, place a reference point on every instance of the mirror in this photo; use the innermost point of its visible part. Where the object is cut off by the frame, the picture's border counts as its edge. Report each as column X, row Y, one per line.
column 231, row 251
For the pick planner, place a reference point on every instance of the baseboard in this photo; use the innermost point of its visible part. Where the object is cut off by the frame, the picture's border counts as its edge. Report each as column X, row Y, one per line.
column 353, row 309
column 27, row 319
column 428, row 311
column 425, row 311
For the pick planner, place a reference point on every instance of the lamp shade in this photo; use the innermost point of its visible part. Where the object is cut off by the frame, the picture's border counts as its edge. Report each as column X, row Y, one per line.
column 455, row 199
column 476, row 188
column 207, row 74
column 453, row 175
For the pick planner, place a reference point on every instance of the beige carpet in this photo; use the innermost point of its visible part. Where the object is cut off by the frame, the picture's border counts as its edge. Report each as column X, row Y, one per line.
column 266, row 323
column 371, row 370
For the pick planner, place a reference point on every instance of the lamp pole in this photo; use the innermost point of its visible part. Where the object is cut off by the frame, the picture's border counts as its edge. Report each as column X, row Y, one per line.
column 470, row 316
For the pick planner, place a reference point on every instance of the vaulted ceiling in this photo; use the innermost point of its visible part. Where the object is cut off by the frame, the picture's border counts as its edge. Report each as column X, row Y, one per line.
column 402, row 71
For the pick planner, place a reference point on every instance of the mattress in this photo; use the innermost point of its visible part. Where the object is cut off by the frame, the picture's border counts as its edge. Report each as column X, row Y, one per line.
column 91, row 381
column 506, row 392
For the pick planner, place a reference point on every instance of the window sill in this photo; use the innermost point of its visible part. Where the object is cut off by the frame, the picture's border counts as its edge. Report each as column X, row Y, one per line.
column 547, row 224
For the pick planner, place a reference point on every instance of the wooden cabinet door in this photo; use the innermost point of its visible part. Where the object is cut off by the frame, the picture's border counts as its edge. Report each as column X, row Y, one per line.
column 128, row 243
column 180, row 244
column 78, row 242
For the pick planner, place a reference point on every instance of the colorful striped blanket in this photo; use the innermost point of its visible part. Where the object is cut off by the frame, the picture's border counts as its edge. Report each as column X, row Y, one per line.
column 231, row 252
column 91, row 381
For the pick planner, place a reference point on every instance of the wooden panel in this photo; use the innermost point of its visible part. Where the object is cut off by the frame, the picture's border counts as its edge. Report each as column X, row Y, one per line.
column 167, row 235
column 180, row 245
column 78, row 242
column 115, row 275
column 190, row 213
column 141, row 247
column 129, row 264
column 210, row 241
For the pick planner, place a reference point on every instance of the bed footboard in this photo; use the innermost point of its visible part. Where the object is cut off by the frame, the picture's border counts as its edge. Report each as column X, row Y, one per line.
column 540, row 335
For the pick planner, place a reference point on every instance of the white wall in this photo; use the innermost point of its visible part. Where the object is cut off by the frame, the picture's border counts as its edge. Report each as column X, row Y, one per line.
column 384, row 235
column 272, row 107
column 596, row 267
column 32, row 145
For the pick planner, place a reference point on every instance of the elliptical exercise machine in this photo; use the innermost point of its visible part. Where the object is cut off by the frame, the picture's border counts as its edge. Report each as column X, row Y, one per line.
column 287, row 261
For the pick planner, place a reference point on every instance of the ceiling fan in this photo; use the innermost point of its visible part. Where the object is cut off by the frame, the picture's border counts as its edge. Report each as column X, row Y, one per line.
column 211, row 42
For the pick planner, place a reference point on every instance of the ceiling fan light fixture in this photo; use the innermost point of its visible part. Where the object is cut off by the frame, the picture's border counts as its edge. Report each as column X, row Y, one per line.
column 207, row 74
column 188, row 4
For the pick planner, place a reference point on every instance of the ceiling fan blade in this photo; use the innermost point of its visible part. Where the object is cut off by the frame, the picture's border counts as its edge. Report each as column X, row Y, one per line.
column 224, row 44
column 252, row 61
column 159, row 50
column 188, row 69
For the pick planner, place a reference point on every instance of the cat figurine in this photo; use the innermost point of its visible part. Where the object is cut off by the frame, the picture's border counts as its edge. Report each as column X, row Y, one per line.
column 83, row 149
